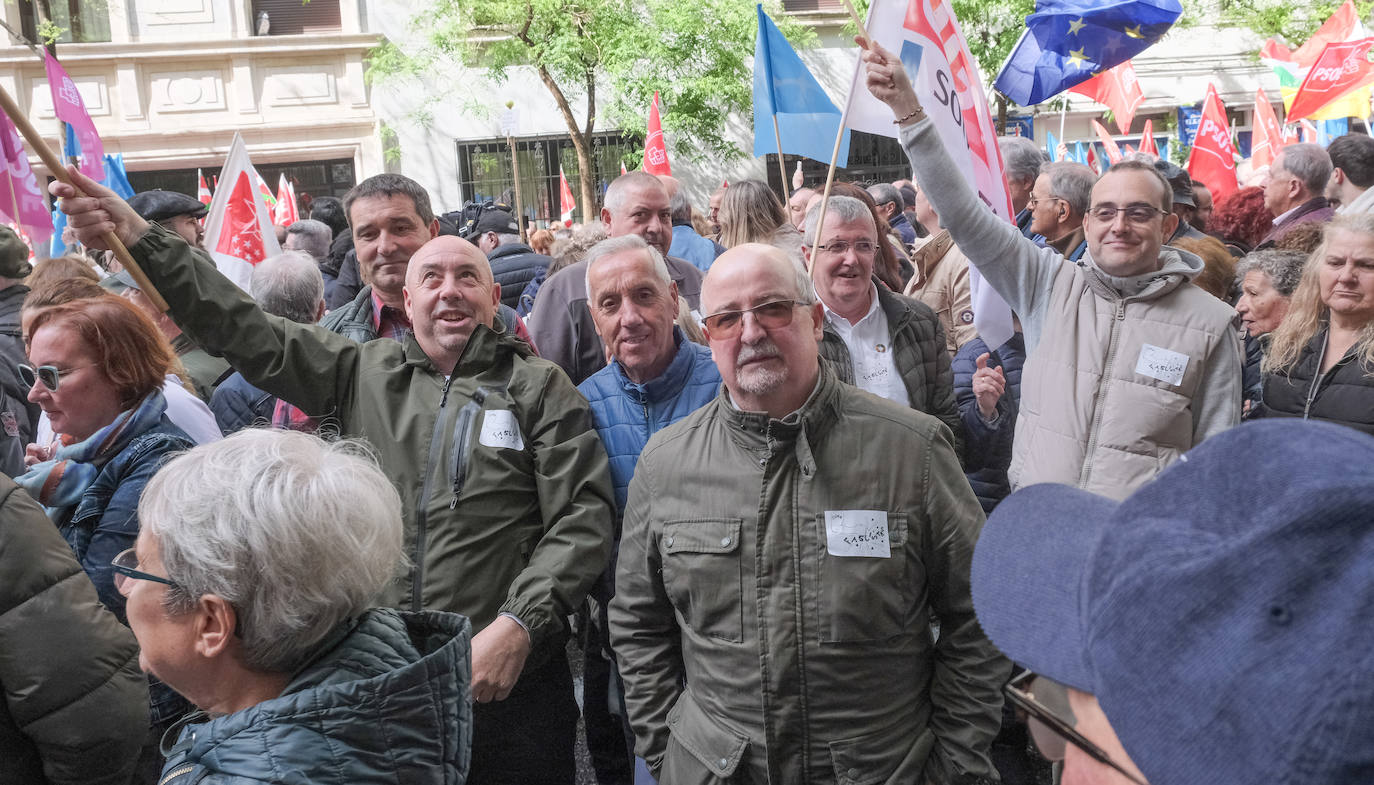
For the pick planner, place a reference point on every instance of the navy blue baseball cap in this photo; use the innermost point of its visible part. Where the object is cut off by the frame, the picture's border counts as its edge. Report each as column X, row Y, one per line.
column 1223, row 614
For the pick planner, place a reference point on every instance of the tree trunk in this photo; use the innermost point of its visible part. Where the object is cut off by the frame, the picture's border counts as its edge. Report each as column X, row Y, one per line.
column 1002, row 115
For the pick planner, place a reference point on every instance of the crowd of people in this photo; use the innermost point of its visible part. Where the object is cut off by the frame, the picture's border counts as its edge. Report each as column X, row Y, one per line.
column 806, row 524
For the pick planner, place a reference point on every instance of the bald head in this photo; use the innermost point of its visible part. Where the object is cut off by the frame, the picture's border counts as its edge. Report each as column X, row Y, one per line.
column 449, row 293
column 447, row 248
column 754, row 258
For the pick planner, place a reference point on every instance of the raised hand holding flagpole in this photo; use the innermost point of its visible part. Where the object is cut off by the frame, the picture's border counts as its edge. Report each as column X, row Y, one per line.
column 54, row 163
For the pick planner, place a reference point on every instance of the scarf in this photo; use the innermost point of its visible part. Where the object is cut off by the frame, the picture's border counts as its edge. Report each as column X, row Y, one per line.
column 60, row 483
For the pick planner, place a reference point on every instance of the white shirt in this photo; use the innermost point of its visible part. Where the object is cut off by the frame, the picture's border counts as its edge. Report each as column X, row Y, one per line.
column 870, row 351
column 184, row 409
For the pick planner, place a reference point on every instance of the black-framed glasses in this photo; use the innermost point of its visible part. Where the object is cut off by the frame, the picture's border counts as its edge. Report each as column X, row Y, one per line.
column 838, row 247
column 770, row 315
column 126, row 569
column 1049, row 728
column 1135, row 213
column 49, row 375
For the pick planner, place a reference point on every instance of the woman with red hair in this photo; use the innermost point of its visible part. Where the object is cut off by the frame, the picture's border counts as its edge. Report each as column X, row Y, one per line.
column 1241, row 220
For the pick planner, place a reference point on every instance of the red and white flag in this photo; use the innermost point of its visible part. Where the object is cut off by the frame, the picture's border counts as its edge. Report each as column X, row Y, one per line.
column 286, row 212
column 1268, row 136
column 21, row 201
column 1213, row 160
column 566, row 205
column 1147, row 141
column 1117, row 89
column 1340, row 27
column 238, row 228
column 1307, row 132
column 70, row 109
column 622, row 168
column 1108, row 143
column 202, row 189
column 655, row 151
column 1341, row 67
column 925, row 35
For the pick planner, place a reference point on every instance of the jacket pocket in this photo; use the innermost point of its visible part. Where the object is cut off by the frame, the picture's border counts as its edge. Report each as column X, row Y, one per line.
column 889, row 755
column 864, row 598
column 702, row 575
column 707, row 743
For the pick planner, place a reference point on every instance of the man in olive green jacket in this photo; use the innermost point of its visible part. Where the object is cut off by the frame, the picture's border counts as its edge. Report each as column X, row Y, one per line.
column 786, row 549
column 505, row 484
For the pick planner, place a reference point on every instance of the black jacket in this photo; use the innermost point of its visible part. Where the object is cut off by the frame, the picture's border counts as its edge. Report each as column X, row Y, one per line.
column 237, row 405
column 18, row 417
column 513, row 266
column 1343, row 395
column 988, row 445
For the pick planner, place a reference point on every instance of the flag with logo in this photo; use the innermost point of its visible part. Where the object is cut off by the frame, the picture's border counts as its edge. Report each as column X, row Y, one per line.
column 1267, row 139
column 1213, row 160
column 21, row 200
column 1341, row 68
column 1292, row 66
column 1119, row 90
column 1108, row 144
column 566, row 205
column 925, row 36
column 70, row 109
column 202, row 189
column 1067, row 42
column 285, row 212
column 655, row 151
column 238, row 228
column 1147, row 140
column 786, row 94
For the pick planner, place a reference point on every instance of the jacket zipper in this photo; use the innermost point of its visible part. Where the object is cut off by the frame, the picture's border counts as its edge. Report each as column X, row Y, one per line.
column 1317, row 377
column 462, row 442
column 174, row 773
column 1101, row 396
column 422, row 505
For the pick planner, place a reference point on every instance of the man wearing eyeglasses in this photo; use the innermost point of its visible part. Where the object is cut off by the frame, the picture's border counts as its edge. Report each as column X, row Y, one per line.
column 785, row 550
column 887, row 344
column 1058, row 203
column 1128, row 365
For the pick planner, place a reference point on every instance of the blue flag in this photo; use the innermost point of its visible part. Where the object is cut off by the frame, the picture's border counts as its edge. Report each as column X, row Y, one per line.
column 785, row 89
column 1069, row 41
column 1051, row 146
column 115, row 179
column 1080, row 154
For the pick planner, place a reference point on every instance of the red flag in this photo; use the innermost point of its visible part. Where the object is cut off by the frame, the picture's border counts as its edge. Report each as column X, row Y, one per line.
column 70, row 109
column 202, row 190
column 21, row 202
column 286, row 212
column 1092, row 158
column 1117, row 89
column 1108, row 144
column 1308, row 131
column 1341, row 68
column 1147, row 142
column 1340, row 27
column 655, row 152
column 1268, row 135
column 1213, row 160
column 565, row 198
column 622, row 168
column 238, row 228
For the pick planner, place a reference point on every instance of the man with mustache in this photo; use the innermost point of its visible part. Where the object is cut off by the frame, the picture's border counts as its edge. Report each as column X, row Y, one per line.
column 785, row 550
column 505, row 486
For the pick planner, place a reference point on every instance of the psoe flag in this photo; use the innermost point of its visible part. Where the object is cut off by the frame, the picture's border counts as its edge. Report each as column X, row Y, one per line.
column 785, row 92
column 238, row 228
column 1341, row 68
column 1213, row 160
column 926, row 37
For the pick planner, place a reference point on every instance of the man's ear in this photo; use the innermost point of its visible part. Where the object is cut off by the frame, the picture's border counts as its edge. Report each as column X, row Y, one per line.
column 216, row 625
column 405, row 295
column 1170, row 225
column 434, row 228
column 606, row 216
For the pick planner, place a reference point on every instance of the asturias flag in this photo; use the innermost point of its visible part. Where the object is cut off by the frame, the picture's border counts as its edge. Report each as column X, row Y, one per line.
column 807, row 119
column 1068, row 41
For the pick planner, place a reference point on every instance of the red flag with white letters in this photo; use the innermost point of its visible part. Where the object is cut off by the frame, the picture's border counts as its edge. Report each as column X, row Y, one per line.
column 1213, row 160
column 1119, row 90
column 1108, row 143
column 655, row 151
column 1268, row 137
column 1342, row 67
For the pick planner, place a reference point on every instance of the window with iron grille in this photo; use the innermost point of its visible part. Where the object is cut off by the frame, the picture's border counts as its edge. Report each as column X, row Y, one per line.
column 485, row 172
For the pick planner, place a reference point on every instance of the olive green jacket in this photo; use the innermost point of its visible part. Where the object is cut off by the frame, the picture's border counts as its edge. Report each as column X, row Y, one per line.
column 801, row 665
column 497, row 519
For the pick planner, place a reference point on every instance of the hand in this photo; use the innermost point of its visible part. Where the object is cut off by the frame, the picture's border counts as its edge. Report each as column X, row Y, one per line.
column 988, row 386
column 887, row 79
column 37, row 453
column 96, row 213
column 798, row 178
column 498, row 656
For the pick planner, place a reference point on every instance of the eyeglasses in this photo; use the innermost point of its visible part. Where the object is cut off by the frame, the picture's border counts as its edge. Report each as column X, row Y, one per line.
column 1135, row 213
column 1034, row 200
column 770, row 316
column 1051, row 731
column 125, row 565
column 49, row 375
column 861, row 247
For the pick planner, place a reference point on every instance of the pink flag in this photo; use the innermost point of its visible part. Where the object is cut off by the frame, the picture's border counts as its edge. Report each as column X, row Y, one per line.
column 70, row 109
column 238, row 228
column 20, row 200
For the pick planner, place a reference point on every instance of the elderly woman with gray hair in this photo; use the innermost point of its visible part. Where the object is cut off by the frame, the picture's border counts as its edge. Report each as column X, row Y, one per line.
column 1267, row 280
column 249, row 592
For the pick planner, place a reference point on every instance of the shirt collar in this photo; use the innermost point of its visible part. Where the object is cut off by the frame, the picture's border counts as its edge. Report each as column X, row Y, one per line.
column 395, row 314
column 835, row 318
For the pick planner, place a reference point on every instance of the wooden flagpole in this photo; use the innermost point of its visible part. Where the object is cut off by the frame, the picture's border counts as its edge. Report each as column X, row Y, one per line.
column 55, row 167
column 839, row 133
column 782, row 168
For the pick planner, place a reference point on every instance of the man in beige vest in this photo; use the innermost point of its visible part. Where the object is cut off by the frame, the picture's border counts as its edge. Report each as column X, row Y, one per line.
column 1128, row 364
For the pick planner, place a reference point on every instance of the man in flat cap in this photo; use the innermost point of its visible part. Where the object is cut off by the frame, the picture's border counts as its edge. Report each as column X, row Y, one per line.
column 174, row 211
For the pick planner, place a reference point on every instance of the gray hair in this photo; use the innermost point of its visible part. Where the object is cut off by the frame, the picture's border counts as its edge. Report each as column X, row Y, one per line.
column 297, row 534
column 503, row 238
column 1021, row 158
column 617, row 245
column 618, row 191
column 288, row 285
column 839, row 210
column 680, row 207
column 1284, row 268
column 1310, row 164
column 315, row 237
column 884, row 193
column 1072, row 182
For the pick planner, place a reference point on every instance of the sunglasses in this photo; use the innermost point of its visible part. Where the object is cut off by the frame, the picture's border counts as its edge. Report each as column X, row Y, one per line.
column 770, row 316
column 49, row 375
column 1047, row 723
column 126, row 569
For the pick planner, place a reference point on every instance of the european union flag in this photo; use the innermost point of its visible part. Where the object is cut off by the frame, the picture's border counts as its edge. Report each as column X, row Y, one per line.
column 784, row 89
column 1069, row 41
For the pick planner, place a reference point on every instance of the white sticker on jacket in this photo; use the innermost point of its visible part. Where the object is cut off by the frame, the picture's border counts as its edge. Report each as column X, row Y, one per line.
column 499, row 429
column 857, row 533
column 1162, row 364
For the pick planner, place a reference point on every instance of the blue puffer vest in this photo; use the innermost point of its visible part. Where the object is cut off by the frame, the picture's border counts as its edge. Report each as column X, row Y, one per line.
column 988, row 447
column 626, row 414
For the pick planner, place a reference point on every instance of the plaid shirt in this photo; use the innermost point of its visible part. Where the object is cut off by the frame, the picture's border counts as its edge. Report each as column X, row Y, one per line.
column 390, row 322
